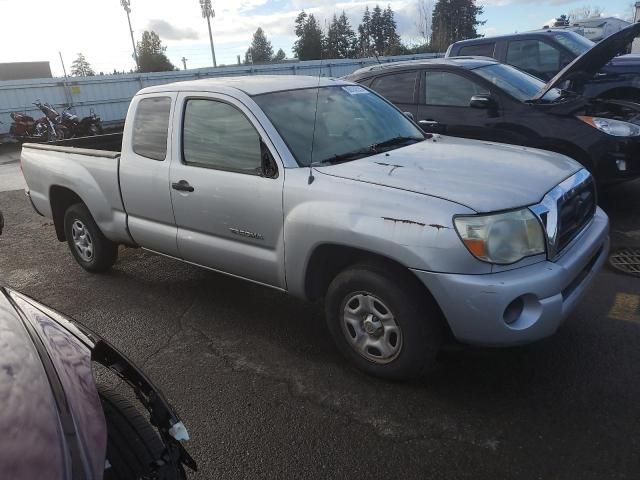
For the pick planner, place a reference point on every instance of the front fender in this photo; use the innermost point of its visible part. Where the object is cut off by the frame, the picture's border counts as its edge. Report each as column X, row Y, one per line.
column 412, row 229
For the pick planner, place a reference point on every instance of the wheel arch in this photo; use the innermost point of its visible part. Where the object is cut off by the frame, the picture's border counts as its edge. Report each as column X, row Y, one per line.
column 61, row 198
column 329, row 259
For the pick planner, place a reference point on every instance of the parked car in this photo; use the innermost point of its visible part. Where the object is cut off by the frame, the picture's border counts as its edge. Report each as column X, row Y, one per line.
column 57, row 423
column 477, row 97
column 544, row 53
column 321, row 188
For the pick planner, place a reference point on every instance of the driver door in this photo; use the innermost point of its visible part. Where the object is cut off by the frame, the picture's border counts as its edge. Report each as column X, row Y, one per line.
column 228, row 212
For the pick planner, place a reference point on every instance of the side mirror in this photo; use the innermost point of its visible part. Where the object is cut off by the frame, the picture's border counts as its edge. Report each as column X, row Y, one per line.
column 481, row 101
column 268, row 166
column 409, row 115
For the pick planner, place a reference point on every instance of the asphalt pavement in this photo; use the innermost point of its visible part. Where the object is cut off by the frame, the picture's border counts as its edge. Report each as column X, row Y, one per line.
column 265, row 394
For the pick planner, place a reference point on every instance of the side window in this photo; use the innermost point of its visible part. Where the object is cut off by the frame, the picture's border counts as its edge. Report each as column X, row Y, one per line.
column 397, row 87
column 535, row 57
column 479, row 50
column 450, row 89
column 217, row 135
column 151, row 127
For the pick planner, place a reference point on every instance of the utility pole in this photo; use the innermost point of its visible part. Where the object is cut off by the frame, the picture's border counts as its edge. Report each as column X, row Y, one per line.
column 126, row 4
column 184, row 62
column 207, row 12
column 66, row 85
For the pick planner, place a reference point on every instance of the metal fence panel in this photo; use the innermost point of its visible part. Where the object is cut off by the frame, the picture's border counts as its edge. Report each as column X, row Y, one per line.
column 109, row 95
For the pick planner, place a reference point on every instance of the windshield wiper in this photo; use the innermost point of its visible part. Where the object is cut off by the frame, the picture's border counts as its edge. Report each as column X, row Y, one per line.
column 364, row 152
column 392, row 142
column 345, row 157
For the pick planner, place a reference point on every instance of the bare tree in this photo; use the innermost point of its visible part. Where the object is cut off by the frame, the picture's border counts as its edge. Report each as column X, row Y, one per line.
column 424, row 20
column 584, row 12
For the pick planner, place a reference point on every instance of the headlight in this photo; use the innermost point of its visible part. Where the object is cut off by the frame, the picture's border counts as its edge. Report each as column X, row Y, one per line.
column 501, row 238
column 609, row 126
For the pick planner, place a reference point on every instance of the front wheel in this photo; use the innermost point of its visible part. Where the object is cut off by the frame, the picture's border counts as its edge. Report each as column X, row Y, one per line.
column 383, row 322
column 92, row 250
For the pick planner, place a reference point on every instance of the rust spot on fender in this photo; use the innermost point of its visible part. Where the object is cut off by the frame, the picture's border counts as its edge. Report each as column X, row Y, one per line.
column 413, row 222
column 403, row 220
column 437, row 226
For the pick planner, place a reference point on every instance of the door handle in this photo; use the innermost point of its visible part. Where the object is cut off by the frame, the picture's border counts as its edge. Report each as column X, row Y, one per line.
column 182, row 186
column 428, row 123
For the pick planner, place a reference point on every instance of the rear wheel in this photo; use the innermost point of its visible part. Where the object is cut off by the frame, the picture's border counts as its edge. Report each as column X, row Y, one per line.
column 133, row 445
column 383, row 322
column 91, row 249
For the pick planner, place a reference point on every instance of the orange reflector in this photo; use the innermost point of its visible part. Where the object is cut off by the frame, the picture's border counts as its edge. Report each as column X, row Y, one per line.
column 476, row 247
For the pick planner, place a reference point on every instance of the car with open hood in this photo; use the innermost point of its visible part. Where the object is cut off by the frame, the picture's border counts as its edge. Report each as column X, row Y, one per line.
column 545, row 53
column 58, row 422
column 480, row 98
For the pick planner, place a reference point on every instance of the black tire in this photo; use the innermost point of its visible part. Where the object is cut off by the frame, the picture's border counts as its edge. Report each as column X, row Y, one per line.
column 132, row 442
column 104, row 252
column 413, row 309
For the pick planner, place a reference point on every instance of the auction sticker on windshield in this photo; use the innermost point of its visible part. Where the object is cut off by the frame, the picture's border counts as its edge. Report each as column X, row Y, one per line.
column 355, row 89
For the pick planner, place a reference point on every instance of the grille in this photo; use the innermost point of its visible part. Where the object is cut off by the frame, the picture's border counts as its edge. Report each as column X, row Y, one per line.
column 576, row 208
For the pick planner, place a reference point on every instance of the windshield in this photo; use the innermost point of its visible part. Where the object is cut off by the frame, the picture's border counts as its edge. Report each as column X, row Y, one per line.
column 574, row 42
column 516, row 83
column 350, row 123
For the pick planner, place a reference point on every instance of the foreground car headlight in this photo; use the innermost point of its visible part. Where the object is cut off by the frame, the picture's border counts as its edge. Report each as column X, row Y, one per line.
column 501, row 238
column 617, row 128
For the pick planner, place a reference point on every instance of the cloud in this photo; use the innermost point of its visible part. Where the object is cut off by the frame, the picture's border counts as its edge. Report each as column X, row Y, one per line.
column 166, row 31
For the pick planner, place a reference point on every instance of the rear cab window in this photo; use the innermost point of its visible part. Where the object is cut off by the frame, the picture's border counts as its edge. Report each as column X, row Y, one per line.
column 151, row 127
column 478, row 50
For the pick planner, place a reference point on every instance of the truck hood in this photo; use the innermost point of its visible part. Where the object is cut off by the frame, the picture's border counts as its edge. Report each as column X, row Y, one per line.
column 483, row 176
column 593, row 60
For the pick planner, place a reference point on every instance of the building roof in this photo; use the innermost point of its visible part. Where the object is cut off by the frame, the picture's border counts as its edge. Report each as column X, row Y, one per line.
column 24, row 70
column 251, row 85
column 598, row 21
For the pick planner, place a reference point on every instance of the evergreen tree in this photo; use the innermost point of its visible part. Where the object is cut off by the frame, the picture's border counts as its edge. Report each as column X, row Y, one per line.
column 260, row 50
column 81, row 67
column 364, row 34
column 310, row 38
column 279, row 56
column 151, row 57
column 377, row 30
column 392, row 44
column 454, row 20
column 341, row 39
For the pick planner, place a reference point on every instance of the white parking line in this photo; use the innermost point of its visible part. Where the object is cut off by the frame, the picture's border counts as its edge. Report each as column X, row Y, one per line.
column 11, row 177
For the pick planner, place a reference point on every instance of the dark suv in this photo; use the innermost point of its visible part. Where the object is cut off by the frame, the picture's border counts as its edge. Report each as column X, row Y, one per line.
column 544, row 53
column 480, row 98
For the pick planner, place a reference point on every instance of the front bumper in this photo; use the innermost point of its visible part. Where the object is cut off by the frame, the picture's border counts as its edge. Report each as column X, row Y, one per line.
column 534, row 299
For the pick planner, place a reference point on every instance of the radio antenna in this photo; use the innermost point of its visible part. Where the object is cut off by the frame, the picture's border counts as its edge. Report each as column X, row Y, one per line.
column 315, row 117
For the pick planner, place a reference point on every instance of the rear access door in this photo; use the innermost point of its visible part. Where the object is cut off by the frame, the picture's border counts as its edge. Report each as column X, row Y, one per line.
column 144, row 173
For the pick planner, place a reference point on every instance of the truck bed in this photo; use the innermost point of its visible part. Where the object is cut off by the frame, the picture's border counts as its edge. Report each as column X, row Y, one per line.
column 111, row 142
column 78, row 170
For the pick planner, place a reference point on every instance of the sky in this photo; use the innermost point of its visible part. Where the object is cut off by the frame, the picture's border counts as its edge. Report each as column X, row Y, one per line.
column 37, row 30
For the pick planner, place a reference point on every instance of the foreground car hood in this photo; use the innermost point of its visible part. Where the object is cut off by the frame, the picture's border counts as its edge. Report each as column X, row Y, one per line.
column 483, row 176
column 32, row 425
column 594, row 59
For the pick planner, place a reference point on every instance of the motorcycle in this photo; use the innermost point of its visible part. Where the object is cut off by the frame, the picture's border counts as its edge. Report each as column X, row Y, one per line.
column 54, row 126
column 25, row 127
column 74, row 127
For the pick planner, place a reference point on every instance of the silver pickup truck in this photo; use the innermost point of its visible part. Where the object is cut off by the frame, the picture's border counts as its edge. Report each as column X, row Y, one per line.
column 323, row 189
